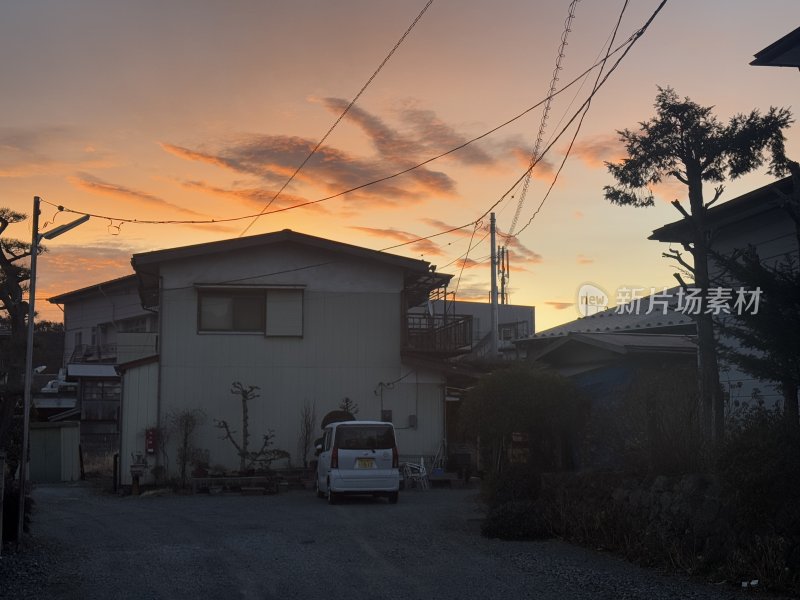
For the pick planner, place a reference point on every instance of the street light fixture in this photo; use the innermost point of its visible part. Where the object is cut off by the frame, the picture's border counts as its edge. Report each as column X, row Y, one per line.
column 36, row 238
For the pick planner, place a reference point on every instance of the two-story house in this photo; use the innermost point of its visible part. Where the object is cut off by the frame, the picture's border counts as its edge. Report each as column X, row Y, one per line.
column 306, row 319
column 104, row 325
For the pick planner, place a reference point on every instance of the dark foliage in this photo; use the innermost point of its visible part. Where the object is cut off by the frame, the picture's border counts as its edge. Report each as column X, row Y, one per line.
column 685, row 141
column 533, row 401
column 767, row 344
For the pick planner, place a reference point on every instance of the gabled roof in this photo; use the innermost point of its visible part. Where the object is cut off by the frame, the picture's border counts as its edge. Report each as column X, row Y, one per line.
column 419, row 275
column 629, row 320
column 761, row 200
column 622, row 343
column 121, row 283
column 783, row 53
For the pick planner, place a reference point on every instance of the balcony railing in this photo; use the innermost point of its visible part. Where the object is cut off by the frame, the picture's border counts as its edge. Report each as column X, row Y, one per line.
column 451, row 334
column 96, row 353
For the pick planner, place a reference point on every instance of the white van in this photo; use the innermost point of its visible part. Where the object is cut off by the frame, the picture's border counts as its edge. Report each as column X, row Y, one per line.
column 358, row 457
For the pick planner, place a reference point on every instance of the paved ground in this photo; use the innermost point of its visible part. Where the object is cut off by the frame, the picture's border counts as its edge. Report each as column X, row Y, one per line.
column 294, row 545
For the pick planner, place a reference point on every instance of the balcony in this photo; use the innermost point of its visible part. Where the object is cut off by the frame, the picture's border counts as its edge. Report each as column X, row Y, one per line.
column 94, row 353
column 444, row 335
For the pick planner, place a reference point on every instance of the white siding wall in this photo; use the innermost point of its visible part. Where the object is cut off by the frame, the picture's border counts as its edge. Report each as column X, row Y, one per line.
column 81, row 315
column 138, row 412
column 351, row 343
column 420, row 394
column 773, row 235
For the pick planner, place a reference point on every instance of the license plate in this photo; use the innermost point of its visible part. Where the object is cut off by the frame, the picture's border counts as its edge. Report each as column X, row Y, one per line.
column 365, row 463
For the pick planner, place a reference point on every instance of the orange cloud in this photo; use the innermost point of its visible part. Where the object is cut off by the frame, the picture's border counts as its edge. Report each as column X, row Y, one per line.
column 95, row 185
column 578, row 214
column 584, row 260
column 274, row 158
column 559, row 305
column 520, row 252
column 426, row 247
column 543, row 170
column 255, row 199
column 595, row 151
column 669, row 189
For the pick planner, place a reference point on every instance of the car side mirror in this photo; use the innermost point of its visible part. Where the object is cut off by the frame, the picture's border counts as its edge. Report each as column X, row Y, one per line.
column 318, row 446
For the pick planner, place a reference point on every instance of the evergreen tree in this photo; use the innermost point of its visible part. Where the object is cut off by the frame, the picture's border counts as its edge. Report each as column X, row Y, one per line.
column 685, row 141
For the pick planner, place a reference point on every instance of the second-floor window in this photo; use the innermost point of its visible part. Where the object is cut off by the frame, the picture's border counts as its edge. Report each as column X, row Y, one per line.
column 271, row 312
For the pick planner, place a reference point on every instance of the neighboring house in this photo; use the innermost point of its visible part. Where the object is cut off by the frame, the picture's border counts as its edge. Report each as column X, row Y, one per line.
column 783, row 53
column 514, row 322
column 309, row 321
column 104, row 325
column 607, row 353
column 759, row 219
column 608, row 338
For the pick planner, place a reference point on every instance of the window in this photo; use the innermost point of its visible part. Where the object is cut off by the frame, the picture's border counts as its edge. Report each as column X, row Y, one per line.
column 364, row 437
column 272, row 312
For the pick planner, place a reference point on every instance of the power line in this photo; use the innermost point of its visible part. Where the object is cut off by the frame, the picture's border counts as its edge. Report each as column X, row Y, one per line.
column 545, row 112
column 577, row 130
column 628, row 44
column 461, row 146
column 341, row 116
column 624, row 48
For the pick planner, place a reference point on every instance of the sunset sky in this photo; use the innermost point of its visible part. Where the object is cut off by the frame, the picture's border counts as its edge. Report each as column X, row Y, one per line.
column 199, row 110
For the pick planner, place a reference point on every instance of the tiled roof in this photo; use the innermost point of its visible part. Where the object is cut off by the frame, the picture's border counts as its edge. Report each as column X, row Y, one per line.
column 627, row 320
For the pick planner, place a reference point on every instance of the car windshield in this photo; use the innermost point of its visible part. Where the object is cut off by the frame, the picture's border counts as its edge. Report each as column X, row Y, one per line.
column 364, row 437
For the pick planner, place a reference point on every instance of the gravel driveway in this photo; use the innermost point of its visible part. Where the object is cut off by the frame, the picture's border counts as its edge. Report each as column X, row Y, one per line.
column 293, row 545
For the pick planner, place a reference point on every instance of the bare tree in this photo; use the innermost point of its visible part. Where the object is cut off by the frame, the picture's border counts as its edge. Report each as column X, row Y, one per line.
column 349, row 406
column 247, row 458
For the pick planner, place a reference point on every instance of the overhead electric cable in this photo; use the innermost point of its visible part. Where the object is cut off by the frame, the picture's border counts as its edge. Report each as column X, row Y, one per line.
column 628, row 45
column 341, row 116
column 545, row 113
column 575, row 134
column 464, row 262
column 624, row 48
column 620, row 48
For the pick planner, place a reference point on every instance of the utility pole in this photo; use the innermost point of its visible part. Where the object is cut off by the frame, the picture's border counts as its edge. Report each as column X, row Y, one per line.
column 494, row 341
column 36, row 239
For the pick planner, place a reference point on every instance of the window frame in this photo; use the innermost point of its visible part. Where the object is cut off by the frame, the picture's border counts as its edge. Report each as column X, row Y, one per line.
column 245, row 291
